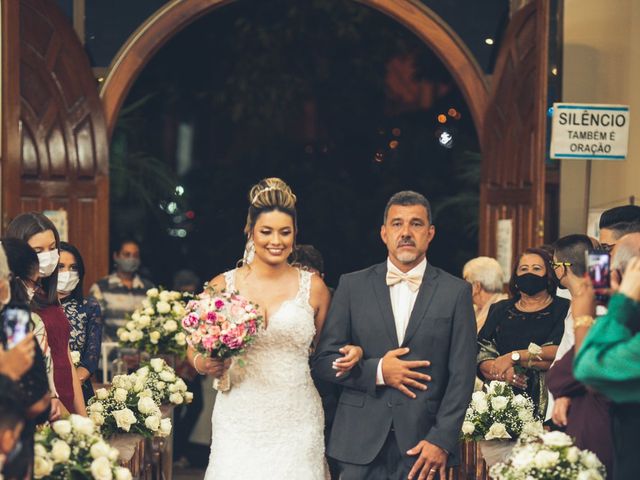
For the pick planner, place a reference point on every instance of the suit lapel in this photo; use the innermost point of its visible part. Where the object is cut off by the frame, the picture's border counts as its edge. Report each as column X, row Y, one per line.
column 425, row 295
column 384, row 301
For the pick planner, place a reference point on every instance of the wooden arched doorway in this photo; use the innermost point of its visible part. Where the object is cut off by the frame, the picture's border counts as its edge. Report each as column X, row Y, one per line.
column 412, row 14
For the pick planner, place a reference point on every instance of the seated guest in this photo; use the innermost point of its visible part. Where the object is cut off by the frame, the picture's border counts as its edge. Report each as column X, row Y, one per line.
column 487, row 280
column 12, row 420
column 608, row 351
column 617, row 222
column 533, row 315
column 84, row 314
column 583, row 412
column 121, row 292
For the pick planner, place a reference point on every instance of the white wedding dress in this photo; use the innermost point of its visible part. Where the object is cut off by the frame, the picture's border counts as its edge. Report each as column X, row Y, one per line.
column 270, row 424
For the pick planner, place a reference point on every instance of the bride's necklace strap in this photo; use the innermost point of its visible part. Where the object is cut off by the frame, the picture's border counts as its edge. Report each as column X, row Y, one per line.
column 230, row 280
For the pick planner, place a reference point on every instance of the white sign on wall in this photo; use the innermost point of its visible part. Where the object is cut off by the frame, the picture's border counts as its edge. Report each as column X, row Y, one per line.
column 589, row 132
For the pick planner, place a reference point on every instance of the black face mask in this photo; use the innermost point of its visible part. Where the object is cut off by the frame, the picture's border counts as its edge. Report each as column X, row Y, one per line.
column 531, row 284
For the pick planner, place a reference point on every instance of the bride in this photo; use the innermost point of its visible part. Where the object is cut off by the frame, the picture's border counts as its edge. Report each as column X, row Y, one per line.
column 269, row 424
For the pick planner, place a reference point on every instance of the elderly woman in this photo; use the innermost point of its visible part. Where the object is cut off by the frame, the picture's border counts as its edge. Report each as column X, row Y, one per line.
column 533, row 316
column 486, row 278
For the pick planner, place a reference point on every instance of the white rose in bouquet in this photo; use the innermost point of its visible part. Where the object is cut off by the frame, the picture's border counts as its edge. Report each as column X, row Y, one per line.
column 178, row 309
column 468, row 428
column 144, row 321
column 154, row 337
column 114, row 454
column 546, row 458
column 499, row 403
column 188, row 397
column 176, row 398
column 143, row 372
column 167, row 376
column 160, row 385
column 130, row 325
column 141, row 382
column 157, row 364
column 123, row 335
column 60, row 451
column 573, row 454
column 180, row 338
column 170, row 325
column 123, row 473
column 172, row 388
column 520, row 400
column 557, row 439
column 165, row 426
column 497, row 431
column 589, row 459
column 182, row 387
column 62, row 427
column 101, row 469
column 124, row 418
column 102, row 393
column 590, row 475
column 39, row 450
column 152, row 422
column 165, row 296
column 136, row 335
column 481, row 405
column 82, row 425
column 122, row 381
column 120, row 395
column 163, row 307
column 75, row 357
column 152, row 292
column 97, row 418
column 96, row 407
column 145, row 393
column 135, row 316
column 42, row 466
column 532, row 429
column 100, row 449
column 146, row 405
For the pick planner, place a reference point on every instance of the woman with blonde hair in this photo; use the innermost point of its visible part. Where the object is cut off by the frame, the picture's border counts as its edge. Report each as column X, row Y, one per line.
column 270, row 423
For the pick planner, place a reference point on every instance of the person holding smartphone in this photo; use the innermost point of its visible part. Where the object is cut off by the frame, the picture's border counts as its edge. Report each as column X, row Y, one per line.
column 25, row 360
column 41, row 235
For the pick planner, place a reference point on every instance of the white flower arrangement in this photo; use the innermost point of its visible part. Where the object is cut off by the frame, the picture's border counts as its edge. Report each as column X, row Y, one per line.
column 499, row 414
column 165, row 386
column 73, row 448
column 155, row 327
column 75, row 358
column 549, row 455
column 129, row 407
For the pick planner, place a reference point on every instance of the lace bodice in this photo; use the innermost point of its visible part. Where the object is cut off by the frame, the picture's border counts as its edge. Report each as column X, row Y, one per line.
column 272, row 409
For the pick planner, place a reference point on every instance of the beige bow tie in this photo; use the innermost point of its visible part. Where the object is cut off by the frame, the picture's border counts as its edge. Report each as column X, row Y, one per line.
column 414, row 280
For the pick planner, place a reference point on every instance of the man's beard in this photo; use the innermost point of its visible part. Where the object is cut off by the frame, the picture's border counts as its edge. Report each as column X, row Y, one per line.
column 407, row 257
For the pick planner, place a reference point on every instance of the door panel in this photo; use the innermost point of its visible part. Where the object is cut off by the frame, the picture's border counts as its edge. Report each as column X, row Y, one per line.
column 513, row 170
column 64, row 152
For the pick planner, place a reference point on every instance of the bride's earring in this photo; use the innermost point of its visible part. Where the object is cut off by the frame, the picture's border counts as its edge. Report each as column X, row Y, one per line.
column 249, row 252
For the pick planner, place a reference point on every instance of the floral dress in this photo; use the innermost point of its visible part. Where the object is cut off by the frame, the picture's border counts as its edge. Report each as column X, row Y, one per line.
column 85, row 319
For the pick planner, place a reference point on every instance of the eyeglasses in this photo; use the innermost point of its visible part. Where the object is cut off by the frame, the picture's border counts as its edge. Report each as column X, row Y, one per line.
column 561, row 264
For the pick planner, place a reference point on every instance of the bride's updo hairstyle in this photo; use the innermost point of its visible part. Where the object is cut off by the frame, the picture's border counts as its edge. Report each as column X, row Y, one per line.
column 268, row 195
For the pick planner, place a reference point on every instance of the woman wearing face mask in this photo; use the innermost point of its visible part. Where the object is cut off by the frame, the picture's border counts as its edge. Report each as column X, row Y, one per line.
column 34, row 383
column 40, row 233
column 84, row 315
column 533, row 315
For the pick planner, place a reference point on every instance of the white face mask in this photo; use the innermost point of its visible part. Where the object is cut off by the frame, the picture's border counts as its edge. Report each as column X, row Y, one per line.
column 67, row 281
column 48, row 262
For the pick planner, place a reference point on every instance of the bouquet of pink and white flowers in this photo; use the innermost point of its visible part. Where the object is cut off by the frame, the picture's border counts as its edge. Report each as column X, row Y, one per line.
column 221, row 324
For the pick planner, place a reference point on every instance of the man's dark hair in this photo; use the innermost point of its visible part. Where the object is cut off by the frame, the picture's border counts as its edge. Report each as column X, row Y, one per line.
column 623, row 214
column 571, row 249
column 620, row 229
column 123, row 241
column 308, row 256
column 11, row 405
column 407, row 198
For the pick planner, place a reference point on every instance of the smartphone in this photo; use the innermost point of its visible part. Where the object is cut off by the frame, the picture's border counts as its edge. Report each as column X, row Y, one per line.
column 598, row 264
column 15, row 321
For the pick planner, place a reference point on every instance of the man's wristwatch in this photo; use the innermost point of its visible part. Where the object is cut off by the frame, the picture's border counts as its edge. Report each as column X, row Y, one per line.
column 515, row 357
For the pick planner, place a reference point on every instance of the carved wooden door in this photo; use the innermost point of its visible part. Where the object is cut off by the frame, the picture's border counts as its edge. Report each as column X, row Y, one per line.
column 63, row 159
column 514, row 140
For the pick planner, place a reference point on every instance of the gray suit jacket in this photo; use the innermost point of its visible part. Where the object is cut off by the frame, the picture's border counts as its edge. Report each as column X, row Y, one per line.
column 441, row 329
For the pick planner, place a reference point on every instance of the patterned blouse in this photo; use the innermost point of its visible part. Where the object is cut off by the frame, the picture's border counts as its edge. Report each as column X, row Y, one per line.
column 85, row 319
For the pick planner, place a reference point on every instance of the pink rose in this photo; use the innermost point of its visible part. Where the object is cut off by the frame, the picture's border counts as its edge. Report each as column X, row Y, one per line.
column 211, row 317
column 252, row 327
column 208, row 342
column 196, row 337
column 232, row 341
column 236, row 310
column 219, row 304
column 190, row 321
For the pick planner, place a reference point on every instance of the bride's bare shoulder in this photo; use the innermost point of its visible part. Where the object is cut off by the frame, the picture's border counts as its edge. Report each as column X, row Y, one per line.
column 218, row 282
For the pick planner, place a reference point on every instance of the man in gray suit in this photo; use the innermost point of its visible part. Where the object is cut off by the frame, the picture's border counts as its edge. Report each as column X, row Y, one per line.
column 415, row 324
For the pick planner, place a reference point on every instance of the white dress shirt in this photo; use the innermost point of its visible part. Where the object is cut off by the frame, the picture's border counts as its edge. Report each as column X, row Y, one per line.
column 402, row 301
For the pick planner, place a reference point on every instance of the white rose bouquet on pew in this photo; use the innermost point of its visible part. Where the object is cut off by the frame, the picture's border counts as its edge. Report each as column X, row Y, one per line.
column 549, row 455
column 498, row 414
column 156, row 326
column 166, row 387
column 73, row 448
column 128, row 407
